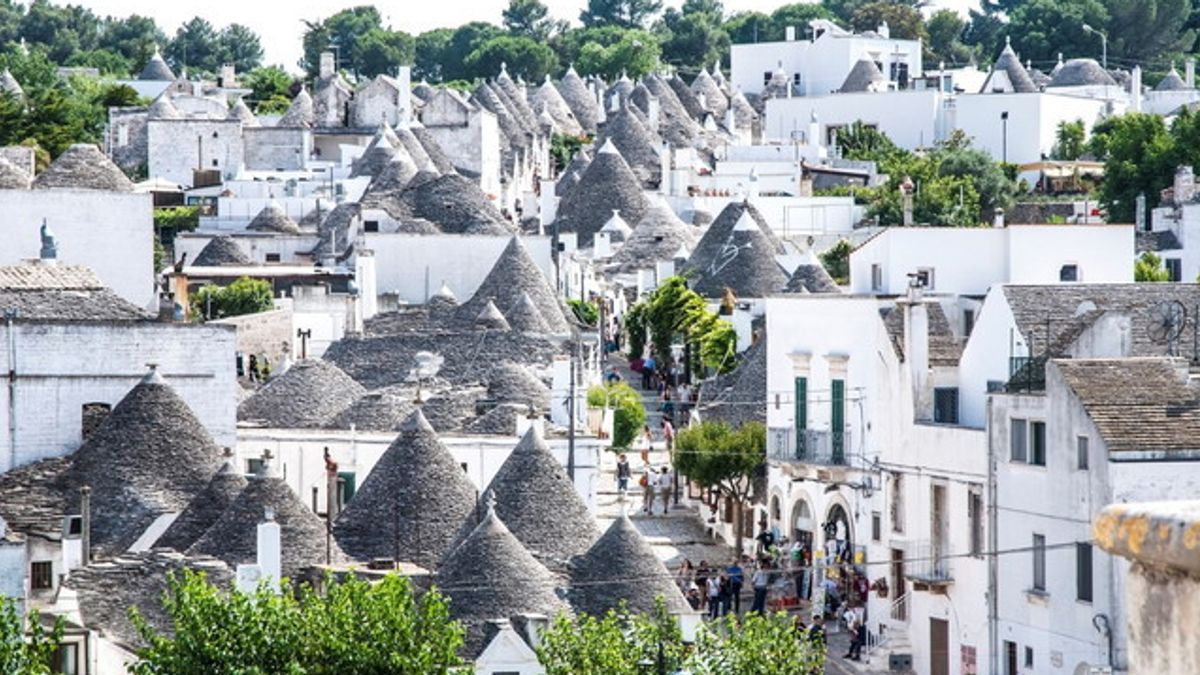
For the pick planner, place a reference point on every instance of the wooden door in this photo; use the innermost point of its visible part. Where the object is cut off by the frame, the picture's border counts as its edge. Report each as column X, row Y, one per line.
column 939, row 647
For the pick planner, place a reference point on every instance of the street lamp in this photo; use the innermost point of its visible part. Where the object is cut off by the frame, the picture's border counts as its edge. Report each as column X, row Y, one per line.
column 1004, row 137
column 1103, row 44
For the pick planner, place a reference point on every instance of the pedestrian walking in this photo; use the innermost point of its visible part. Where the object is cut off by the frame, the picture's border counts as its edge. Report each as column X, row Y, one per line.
column 668, row 432
column 737, row 578
column 649, row 485
column 664, row 488
column 714, row 596
column 703, row 572
column 624, row 472
column 761, row 580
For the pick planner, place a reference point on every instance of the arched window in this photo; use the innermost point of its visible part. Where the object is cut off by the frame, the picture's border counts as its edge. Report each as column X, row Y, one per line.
column 776, row 516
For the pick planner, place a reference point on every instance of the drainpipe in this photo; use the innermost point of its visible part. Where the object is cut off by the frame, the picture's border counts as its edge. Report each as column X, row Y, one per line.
column 993, row 545
column 85, row 509
column 10, row 315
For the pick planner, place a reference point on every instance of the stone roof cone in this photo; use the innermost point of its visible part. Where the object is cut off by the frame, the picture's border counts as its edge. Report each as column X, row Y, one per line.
column 83, row 167
column 240, row 111
column 656, row 236
column 156, row 69
column 307, row 396
column 150, row 456
column 205, row 508
column 709, row 91
column 411, row 504
column 490, row 318
column 548, row 98
column 12, row 177
column 636, row 145
column 581, row 101
column 300, row 114
column 811, row 277
column 571, row 173
column 525, row 316
column 608, row 183
column 513, row 276
column 745, row 264
column 222, row 250
column 272, row 218
column 233, row 537
column 379, row 152
column 621, row 568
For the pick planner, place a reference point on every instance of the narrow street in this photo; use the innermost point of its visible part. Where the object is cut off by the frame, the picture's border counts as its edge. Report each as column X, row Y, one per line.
column 682, row 533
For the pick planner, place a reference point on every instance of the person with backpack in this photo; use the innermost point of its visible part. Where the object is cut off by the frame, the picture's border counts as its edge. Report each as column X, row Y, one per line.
column 624, row 472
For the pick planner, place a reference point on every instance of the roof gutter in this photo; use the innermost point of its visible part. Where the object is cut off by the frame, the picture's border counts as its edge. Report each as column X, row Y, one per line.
column 9, row 316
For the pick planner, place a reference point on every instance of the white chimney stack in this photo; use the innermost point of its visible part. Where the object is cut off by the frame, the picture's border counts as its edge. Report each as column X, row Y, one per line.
column 404, row 112
column 1135, row 88
column 602, row 248
column 916, row 345
column 327, row 66
column 270, row 551
column 790, row 33
column 664, row 167
column 998, row 217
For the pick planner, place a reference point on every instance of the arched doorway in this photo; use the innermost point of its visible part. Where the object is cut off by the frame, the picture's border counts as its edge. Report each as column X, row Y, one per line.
column 837, row 536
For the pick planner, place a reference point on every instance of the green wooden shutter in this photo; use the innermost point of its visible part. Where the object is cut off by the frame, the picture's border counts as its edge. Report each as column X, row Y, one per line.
column 837, row 419
column 801, row 414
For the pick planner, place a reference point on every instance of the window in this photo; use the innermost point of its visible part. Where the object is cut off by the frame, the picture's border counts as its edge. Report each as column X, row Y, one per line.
column 796, row 80
column 897, row 506
column 968, row 322
column 66, row 659
column 215, row 162
column 1174, row 268
column 1081, row 453
column 876, row 526
column 975, row 514
column 1039, row 562
column 347, row 486
column 122, row 136
column 945, row 405
column 876, row 277
column 925, row 278
column 253, row 466
column 1010, row 658
column 1068, row 273
column 273, row 257
column 41, row 575
column 1018, row 440
column 801, row 409
column 767, row 78
column 1029, row 657
column 837, row 419
column 370, row 226
column 1083, row 572
column 216, row 135
column 1037, row 443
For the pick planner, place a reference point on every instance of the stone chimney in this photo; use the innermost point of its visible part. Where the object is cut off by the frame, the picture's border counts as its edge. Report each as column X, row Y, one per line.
column 654, row 114
column 328, row 65
column 789, row 33
column 85, row 510
column 916, row 345
column 49, row 252
column 998, row 217
column 404, row 112
column 906, row 193
column 664, row 167
column 1185, row 185
column 228, row 78
column 269, row 551
column 1135, row 89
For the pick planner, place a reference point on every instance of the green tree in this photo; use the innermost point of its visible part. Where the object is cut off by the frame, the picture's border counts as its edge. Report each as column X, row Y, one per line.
column 1149, row 268
column 748, row 27
column 62, row 30
column 1145, row 30
column 430, row 52
column 26, row 652
column 1139, row 158
column 1041, row 29
column 629, row 413
column 692, row 40
column 355, row 627
column 724, row 459
column 267, row 82
column 759, row 644
column 134, row 37
column 381, row 51
column 993, row 186
column 530, row 18
column 904, row 21
column 837, row 261
column 463, row 42
column 615, row 644
column 623, row 13
column 798, row 15
column 946, row 28
column 194, row 47
column 523, row 56
column 344, row 33
column 865, row 143
column 636, row 54
column 239, row 46
column 244, row 296
column 1069, row 140
column 985, row 34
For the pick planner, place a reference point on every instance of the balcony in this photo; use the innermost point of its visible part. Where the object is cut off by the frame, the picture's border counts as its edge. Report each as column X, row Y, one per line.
column 927, row 566
column 810, row 446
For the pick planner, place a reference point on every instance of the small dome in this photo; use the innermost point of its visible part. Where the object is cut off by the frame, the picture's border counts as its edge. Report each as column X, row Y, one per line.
column 1081, row 73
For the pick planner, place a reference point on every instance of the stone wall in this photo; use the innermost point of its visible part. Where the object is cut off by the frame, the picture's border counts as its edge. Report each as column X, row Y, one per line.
column 276, row 148
column 177, row 147
column 20, row 156
column 127, row 140
column 267, row 333
column 1162, row 591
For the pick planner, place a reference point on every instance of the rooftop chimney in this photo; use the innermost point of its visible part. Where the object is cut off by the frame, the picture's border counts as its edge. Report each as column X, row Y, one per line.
column 85, row 510
column 405, row 103
column 269, row 554
column 328, row 65
column 916, row 344
column 1185, row 185
column 883, row 30
column 49, row 252
column 790, row 33
column 998, row 217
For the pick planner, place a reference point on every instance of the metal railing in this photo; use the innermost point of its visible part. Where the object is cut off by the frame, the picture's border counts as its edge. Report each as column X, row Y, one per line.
column 810, row 446
column 927, row 561
column 898, row 613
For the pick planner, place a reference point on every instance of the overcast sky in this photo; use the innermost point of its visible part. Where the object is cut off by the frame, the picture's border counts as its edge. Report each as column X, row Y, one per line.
column 280, row 24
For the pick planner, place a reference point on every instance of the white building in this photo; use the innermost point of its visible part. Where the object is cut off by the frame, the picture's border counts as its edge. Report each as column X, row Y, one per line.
column 820, row 63
column 1103, row 431
column 970, row 260
column 1174, row 233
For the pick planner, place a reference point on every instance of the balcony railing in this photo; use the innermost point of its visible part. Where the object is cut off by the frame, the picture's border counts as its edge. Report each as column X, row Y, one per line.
column 927, row 562
column 809, row 446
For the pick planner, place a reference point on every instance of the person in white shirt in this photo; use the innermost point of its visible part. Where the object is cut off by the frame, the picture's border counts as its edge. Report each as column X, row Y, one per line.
column 664, row 488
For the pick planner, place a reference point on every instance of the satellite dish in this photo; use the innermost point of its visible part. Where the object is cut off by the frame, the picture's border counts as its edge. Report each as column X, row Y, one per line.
column 1166, row 323
column 428, row 364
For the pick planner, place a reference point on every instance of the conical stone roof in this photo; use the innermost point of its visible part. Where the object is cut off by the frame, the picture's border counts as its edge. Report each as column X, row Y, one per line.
column 436, row 154
column 547, row 97
column 621, row 568
column 811, row 277
column 234, row 536
column 1081, row 73
column 657, row 236
column 514, row 99
column 392, row 178
column 618, row 230
column 635, row 144
column 512, row 277
column 383, row 410
column 379, row 152
column 490, row 318
column 707, row 90
column 163, row 109
column 417, row 151
column 536, row 499
column 9, row 85
column 864, row 76
column 150, row 456
column 156, row 69
column 1172, row 82
column 675, row 125
column 581, row 101
column 1008, row 68
column 744, row 114
column 205, row 508
column 745, row 264
column 240, row 111
column 572, row 172
column 511, row 130
column 411, row 504
column 454, row 204
column 525, row 317
column 272, row 218
column 491, row 576
column 694, row 107
column 307, row 396
column 300, row 115
column 607, row 184
column 12, row 177
column 222, row 250
column 512, row 382
column 83, row 167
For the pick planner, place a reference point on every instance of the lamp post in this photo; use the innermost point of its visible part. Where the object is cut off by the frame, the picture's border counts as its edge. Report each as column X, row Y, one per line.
column 1004, row 137
column 1103, row 44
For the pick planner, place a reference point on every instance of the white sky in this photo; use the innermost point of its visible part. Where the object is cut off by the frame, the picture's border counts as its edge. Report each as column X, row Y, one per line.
column 280, row 24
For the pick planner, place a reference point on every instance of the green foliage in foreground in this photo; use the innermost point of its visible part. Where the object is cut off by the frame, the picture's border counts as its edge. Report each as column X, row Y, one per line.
column 244, row 296
column 353, row 628
column 629, row 416
column 22, row 652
